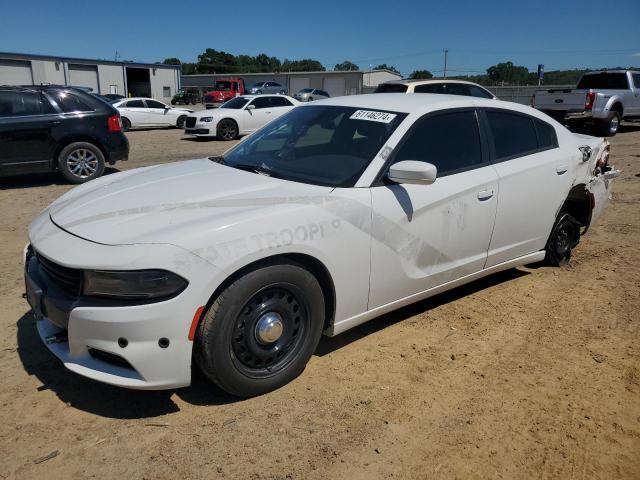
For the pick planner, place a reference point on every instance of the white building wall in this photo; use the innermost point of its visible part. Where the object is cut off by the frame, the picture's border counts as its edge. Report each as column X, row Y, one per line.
column 161, row 78
column 111, row 75
column 374, row 78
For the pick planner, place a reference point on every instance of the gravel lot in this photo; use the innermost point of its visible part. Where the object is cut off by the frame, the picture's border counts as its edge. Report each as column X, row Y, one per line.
column 531, row 373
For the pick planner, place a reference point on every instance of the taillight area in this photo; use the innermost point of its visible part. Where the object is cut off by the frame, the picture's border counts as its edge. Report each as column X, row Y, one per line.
column 589, row 101
column 114, row 124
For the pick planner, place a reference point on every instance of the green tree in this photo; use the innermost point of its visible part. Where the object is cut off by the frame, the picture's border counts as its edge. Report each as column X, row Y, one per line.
column 508, row 73
column 172, row 61
column 384, row 66
column 345, row 66
column 421, row 75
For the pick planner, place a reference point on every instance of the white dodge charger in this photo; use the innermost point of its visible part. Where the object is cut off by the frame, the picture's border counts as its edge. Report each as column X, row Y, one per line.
column 239, row 116
column 331, row 215
column 139, row 112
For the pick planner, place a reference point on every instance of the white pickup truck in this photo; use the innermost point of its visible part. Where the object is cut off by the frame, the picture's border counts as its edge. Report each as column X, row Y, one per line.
column 601, row 99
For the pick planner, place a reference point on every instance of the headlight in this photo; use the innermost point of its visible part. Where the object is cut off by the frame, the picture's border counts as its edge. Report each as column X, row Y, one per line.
column 206, row 119
column 131, row 285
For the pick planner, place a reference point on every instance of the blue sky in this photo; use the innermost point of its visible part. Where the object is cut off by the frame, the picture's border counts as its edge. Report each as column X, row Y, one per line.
column 409, row 35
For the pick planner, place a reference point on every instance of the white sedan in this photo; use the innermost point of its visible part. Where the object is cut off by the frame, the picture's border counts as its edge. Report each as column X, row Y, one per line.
column 139, row 112
column 239, row 116
column 331, row 215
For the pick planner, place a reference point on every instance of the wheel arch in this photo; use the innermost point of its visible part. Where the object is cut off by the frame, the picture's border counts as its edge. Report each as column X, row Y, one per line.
column 616, row 106
column 579, row 204
column 306, row 261
column 62, row 144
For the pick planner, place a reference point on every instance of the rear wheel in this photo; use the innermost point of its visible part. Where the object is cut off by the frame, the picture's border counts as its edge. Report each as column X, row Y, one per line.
column 227, row 129
column 609, row 126
column 181, row 120
column 126, row 124
column 261, row 330
column 80, row 162
column 564, row 237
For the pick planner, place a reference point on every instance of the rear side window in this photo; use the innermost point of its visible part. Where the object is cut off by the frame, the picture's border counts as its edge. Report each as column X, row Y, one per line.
column 457, row 89
column 450, row 141
column 429, row 88
column 22, row 104
column 135, row 104
column 513, row 135
column 391, row 88
column 546, row 135
column 70, row 102
column 479, row 92
column 604, row 81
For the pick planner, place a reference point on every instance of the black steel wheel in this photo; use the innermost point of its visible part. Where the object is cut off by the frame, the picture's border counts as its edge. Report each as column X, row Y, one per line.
column 564, row 237
column 261, row 330
column 227, row 129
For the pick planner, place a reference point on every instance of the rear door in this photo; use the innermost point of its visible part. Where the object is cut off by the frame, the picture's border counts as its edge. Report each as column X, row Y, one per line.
column 426, row 235
column 534, row 182
column 137, row 113
column 27, row 123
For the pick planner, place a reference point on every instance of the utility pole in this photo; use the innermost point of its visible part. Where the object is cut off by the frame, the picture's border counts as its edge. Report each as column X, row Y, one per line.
column 446, row 51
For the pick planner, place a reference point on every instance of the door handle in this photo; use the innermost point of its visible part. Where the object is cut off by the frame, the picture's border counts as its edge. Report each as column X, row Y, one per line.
column 485, row 194
column 561, row 169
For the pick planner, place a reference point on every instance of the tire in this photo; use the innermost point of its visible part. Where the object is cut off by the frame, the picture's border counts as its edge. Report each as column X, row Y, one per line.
column 232, row 352
column 310, row 99
column 80, row 162
column 180, row 121
column 173, row 102
column 227, row 129
column 126, row 124
column 609, row 127
column 565, row 235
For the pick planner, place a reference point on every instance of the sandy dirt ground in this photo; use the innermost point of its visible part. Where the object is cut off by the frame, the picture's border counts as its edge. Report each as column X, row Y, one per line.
column 531, row 373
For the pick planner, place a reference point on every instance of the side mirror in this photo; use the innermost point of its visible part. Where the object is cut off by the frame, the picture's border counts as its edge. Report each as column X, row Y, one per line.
column 251, row 107
column 413, row 171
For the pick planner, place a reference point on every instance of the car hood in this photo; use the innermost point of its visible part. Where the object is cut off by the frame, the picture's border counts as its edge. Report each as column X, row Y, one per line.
column 173, row 202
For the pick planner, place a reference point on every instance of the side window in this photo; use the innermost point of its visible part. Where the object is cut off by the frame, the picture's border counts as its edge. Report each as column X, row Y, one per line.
column 155, row 104
column 479, row 92
column 261, row 102
column 135, row 104
column 429, row 88
column 547, row 137
column 22, row 104
column 70, row 102
column 457, row 89
column 280, row 102
column 323, row 93
column 513, row 135
column 636, row 80
column 450, row 141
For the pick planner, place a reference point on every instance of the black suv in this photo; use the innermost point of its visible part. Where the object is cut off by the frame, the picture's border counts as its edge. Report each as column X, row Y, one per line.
column 49, row 128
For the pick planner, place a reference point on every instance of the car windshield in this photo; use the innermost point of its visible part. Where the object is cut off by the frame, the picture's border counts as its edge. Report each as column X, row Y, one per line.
column 223, row 86
column 391, row 88
column 604, row 81
column 306, row 90
column 320, row 145
column 235, row 103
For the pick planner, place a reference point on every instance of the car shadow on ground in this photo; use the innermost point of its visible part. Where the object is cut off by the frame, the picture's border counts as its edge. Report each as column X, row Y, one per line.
column 40, row 180
column 629, row 127
column 114, row 402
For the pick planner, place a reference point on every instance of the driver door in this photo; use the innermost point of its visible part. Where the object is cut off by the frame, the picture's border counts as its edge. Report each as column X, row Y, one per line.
column 258, row 116
column 158, row 113
column 424, row 236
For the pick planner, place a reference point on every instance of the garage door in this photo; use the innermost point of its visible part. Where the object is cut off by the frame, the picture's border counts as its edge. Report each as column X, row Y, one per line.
column 15, row 72
column 298, row 83
column 84, row 76
column 334, row 85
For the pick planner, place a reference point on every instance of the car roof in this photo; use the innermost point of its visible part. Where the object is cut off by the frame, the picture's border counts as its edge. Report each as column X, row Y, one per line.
column 431, row 80
column 421, row 102
column 35, row 88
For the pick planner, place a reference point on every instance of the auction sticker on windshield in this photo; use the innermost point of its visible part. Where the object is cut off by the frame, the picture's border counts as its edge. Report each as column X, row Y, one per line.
column 373, row 116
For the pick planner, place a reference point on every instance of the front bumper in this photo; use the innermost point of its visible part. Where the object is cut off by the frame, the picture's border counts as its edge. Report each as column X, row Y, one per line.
column 86, row 334
column 200, row 132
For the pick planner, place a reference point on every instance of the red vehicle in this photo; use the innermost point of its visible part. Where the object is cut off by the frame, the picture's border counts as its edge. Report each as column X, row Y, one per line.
column 224, row 90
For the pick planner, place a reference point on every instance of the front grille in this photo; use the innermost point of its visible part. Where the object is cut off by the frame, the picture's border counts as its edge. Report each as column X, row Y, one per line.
column 190, row 122
column 67, row 279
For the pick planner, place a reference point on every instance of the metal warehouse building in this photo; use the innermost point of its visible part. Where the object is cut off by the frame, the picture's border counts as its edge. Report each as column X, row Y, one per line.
column 336, row 83
column 103, row 76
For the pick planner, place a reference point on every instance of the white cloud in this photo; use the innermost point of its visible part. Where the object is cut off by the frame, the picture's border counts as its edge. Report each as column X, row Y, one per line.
column 636, row 54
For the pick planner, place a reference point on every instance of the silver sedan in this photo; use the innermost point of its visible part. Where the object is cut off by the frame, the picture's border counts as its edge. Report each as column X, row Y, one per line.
column 267, row 87
column 311, row 94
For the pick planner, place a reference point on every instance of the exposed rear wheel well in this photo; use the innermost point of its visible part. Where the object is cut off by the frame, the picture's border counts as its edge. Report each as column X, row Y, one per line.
column 309, row 263
column 617, row 107
column 578, row 205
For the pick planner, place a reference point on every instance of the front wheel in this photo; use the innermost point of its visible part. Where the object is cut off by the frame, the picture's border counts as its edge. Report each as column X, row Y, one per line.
column 80, row 162
column 261, row 331
column 181, row 120
column 227, row 130
column 564, row 236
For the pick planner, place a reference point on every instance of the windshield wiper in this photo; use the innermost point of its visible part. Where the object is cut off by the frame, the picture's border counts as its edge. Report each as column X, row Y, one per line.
column 253, row 168
column 218, row 159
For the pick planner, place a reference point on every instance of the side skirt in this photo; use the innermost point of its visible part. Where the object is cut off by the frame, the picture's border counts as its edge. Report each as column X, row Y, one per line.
column 354, row 321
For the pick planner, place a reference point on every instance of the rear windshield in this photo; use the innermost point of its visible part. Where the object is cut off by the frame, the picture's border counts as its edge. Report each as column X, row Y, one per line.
column 223, row 86
column 391, row 88
column 604, row 81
